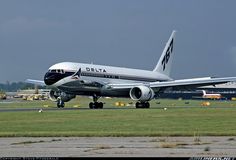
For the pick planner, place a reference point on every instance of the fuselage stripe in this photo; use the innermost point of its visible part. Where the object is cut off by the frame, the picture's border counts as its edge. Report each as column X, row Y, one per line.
column 112, row 76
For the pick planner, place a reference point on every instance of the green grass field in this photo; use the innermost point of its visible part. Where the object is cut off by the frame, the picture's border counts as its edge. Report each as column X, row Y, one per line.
column 194, row 120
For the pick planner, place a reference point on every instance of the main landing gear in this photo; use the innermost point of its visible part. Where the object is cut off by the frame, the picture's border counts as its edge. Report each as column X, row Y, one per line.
column 99, row 105
column 142, row 105
column 95, row 104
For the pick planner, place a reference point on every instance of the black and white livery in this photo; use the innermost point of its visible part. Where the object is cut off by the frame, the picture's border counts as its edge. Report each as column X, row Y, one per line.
column 68, row 79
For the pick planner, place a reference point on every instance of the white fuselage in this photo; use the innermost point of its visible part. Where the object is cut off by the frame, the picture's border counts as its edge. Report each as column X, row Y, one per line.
column 101, row 74
column 109, row 74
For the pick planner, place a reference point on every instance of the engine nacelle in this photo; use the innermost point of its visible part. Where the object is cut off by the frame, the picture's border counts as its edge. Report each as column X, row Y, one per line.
column 141, row 93
column 53, row 95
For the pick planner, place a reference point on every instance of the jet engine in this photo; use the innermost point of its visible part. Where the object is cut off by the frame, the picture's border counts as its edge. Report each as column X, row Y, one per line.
column 141, row 93
column 65, row 97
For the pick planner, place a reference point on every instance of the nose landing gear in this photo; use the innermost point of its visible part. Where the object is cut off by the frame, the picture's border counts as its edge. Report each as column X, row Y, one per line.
column 60, row 103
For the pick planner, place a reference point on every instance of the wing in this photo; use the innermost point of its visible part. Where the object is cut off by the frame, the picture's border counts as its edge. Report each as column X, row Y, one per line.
column 183, row 83
column 37, row 82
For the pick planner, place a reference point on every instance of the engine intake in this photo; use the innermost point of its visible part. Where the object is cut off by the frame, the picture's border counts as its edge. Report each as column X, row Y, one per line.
column 53, row 95
column 141, row 93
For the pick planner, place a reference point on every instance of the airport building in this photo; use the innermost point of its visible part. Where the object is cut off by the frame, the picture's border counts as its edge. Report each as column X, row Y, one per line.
column 227, row 90
column 30, row 94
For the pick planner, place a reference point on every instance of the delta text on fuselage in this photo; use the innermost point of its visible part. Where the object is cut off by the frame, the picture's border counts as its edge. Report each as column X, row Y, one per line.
column 89, row 69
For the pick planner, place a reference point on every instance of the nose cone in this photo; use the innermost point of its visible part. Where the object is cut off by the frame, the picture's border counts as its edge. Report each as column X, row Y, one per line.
column 49, row 78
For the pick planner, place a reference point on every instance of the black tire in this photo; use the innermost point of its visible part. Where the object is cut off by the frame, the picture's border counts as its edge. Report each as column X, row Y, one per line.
column 100, row 105
column 142, row 105
column 91, row 105
column 138, row 105
column 60, row 104
column 147, row 105
column 96, row 105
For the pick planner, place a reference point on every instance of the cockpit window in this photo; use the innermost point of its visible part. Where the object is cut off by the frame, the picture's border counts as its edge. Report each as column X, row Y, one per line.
column 52, row 71
column 57, row 71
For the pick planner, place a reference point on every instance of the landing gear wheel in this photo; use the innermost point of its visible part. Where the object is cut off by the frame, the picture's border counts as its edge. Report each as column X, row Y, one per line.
column 96, row 105
column 91, row 105
column 100, row 105
column 146, row 105
column 138, row 105
column 60, row 103
column 142, row 105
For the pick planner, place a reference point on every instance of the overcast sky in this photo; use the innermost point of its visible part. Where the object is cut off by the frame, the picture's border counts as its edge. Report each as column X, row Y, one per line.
column 129, row 33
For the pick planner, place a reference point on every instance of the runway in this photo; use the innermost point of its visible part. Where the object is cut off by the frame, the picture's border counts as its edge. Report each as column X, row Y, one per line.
column 35, row 109
column 118, row 147
column 56, row 109
column 106, row 108
column 52, row 109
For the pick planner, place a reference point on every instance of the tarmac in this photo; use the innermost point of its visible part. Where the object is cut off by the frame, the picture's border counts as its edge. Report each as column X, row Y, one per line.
column 224, row 146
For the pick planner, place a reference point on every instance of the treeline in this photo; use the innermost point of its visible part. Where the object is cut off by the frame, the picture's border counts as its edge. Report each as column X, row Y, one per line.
column 14, row 86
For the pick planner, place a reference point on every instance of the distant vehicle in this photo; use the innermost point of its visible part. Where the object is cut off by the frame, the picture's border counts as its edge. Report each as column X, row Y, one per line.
column 211, row 95
column 3, row 95
column 68, row 79
column 33, row 97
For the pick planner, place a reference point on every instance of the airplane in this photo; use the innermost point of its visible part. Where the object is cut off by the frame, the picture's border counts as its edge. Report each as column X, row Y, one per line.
column 211, row 95
column 68, row 79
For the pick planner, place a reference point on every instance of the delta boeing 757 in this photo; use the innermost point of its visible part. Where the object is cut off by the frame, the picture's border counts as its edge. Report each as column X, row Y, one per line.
column 68, row 79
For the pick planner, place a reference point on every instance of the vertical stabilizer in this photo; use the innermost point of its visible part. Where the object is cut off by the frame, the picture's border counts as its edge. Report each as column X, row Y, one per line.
column 164, row 64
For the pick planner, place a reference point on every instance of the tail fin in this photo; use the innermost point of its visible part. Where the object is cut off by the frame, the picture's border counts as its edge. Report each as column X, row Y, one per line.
column 164, row 64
